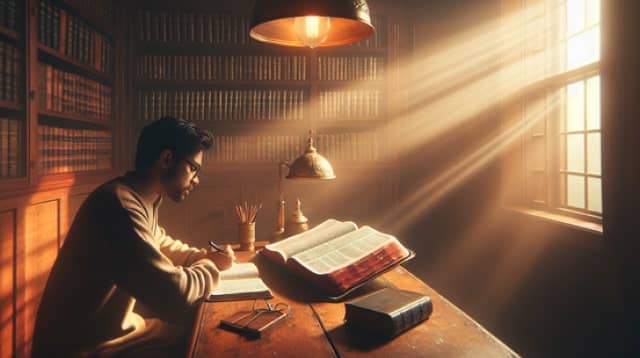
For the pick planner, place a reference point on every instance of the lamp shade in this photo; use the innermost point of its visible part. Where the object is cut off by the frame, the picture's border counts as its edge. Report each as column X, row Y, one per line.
column 311, row 165
column 313, row 23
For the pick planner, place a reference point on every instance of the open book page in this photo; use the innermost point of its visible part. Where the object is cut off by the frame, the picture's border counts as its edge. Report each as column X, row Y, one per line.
column 327, row 230
column 239, row 271
column 241, row 281
column 335, row 254
column 230, row 287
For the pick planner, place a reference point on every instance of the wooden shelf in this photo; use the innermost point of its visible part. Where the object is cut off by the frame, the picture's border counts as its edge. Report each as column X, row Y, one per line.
column 77, row 66
column 75, row 117
column 65, row 180
column 212, row 166
column 286, row 127
column 351, row 50
column 260, row 84
column 252, row 48
column 347, row 124
column 357, row 85
column 67, row 175
column 12, row 106
column 256, row 127
column 10, row 34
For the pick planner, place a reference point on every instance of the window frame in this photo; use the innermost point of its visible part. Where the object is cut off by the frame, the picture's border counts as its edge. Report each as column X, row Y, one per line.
column 554, row 121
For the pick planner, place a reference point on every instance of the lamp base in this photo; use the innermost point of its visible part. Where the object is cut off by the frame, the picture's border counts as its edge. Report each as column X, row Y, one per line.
column 277, row 235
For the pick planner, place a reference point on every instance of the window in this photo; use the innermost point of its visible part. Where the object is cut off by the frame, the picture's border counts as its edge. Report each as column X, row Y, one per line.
column 561, row 147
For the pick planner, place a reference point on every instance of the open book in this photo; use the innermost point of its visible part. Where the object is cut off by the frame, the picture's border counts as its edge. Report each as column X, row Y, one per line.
column 240, row 282
column 337, row 256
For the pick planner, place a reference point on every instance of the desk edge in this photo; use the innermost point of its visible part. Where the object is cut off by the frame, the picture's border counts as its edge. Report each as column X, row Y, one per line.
column 197, row 324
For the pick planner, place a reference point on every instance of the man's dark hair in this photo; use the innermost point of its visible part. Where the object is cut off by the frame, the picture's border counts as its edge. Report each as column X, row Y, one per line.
column 183, row 138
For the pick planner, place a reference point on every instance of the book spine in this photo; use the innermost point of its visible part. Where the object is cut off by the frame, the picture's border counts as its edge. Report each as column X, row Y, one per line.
column 14, row 147
column 410, row 316
column 4, row 147
column 3, row 71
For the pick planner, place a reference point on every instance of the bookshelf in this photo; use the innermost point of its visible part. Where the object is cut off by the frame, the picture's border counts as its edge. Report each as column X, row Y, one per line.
column 259, row 100
column 12, row 94
column 56, row 89
column 75, row 60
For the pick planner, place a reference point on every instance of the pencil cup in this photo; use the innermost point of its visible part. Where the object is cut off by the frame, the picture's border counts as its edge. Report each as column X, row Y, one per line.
column 247, row 236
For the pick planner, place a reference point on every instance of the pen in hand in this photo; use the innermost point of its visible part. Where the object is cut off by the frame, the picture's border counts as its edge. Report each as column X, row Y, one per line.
column 219, row 249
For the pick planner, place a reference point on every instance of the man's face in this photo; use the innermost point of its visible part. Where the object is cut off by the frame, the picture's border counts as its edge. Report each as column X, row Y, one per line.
column 182, row 177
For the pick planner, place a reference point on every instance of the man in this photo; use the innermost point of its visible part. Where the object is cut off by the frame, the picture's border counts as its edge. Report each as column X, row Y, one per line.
column 116, row 253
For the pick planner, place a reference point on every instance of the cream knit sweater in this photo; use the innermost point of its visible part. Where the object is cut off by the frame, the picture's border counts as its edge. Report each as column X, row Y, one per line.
column 115, row 253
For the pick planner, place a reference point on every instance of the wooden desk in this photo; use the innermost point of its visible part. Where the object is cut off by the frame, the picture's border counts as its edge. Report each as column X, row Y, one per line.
column 315, row 328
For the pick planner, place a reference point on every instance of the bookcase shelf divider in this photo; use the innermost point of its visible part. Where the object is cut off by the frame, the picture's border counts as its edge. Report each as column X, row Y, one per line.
column 76, row 66
column 10, row 34
column 76, row 117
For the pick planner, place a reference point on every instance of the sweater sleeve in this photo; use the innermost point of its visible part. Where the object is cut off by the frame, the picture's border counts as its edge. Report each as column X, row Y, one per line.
column 177, row 251
column 146, row 273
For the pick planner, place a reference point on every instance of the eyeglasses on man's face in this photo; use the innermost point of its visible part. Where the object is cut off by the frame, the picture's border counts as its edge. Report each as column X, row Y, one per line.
column 193, row 166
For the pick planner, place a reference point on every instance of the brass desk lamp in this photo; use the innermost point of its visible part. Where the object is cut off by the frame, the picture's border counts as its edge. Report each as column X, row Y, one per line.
column 309, row 166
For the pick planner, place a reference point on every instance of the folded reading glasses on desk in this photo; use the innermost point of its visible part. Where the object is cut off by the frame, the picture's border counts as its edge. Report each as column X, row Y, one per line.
column 252, row 323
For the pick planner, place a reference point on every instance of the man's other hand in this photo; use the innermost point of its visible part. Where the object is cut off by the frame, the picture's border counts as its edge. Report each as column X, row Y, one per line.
column 223, row 260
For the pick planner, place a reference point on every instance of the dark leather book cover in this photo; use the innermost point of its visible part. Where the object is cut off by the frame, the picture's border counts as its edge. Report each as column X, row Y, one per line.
column 387, row 313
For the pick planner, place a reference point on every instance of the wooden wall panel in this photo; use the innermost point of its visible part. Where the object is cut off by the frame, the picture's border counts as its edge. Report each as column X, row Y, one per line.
column 205, row 215
column 7, row 267
column 211, row 215
column 40, row 248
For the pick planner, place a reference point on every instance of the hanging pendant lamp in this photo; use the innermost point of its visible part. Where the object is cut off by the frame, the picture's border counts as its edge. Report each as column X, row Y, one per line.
column 311, row 23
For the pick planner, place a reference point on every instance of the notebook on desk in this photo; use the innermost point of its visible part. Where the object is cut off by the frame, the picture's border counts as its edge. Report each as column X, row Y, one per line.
column 240, row 282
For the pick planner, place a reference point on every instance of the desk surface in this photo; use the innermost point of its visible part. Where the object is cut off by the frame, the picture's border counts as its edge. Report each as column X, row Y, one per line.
column 315, row 327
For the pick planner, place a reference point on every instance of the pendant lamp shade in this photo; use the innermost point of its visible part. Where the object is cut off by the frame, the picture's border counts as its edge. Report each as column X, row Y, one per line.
column 312, row 23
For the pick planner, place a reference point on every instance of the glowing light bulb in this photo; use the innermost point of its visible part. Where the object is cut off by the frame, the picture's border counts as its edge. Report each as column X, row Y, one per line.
column 312, row 30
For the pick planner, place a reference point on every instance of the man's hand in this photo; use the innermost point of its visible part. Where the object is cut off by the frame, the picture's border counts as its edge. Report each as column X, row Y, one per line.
column 223, row 260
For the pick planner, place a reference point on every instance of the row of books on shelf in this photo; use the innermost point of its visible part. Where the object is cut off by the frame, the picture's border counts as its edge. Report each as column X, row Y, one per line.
column 11, row 147
column 228, row 105
column 94, row 8
column 11, row 73
column 9, row 14
column 191, row 27
column 71, row 36
column 350, row 105
column 357, row 146
column 282, row 68
column 343, row 68
column 64, row 150
column 66, row 92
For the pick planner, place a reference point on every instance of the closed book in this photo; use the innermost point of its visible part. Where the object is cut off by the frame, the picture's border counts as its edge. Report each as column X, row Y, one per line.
column 387, row 313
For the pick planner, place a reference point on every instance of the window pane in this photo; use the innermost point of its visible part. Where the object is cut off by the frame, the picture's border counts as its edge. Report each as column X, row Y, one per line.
column 575, row 191
column 575, row 16
column 593, row 103
column 593, row 154
column 595, row 194
column 575, row 106
column 593, row 12
column 575, row 153
column 583, row 48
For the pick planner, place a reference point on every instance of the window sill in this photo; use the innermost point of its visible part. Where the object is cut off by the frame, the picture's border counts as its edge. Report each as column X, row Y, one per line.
column 566, row 220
